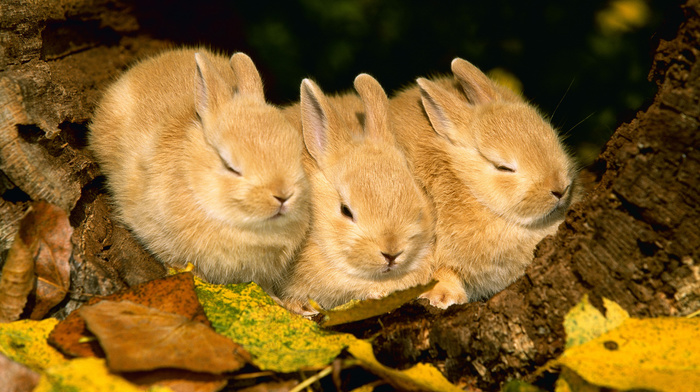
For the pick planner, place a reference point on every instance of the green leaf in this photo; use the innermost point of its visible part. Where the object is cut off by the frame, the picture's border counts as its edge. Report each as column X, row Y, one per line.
column 24, row 341
column 584, row 322
column 360, row 310
column 277, row 339
column 421, row 377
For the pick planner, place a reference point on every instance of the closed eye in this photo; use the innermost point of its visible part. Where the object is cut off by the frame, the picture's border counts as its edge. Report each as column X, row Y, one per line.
column 504, row 168
column 230, row 168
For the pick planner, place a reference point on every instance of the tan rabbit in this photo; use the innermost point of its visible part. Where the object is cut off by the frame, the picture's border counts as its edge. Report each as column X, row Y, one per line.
column 201, row 168
column 496, row 171
column 372, row 227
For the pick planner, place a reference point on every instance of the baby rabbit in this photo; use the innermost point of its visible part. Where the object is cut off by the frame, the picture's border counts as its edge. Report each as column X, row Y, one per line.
column 372, row 227
column 202, row 169
column 496, row 171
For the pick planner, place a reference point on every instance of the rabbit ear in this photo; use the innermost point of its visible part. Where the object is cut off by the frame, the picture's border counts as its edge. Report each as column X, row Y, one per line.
column 441, row 107
column 478, row 88
column 210, row 88
column 248, row 79
column 317, row 119
column 376, row 106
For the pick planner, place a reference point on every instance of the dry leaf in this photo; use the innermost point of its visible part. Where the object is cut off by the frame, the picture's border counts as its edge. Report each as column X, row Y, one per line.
column 139, row 338
column 278, row 340
column 24, row 341
column 361, row 310
column 178, row 380
column 174, row 294
column 15, row 377
column 420, row 377
column 47, row 232
column 85, row 375
column 16, row 282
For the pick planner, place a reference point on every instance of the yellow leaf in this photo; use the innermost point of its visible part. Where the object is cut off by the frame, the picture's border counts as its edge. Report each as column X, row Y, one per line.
column 659, row 354
column 277, row 339
column 421, row 377
column 622, row 16
column 507, row 79
column 86, row 375
column 364, row 388
column 24, row 341
column 360, row 310
column 584, row 322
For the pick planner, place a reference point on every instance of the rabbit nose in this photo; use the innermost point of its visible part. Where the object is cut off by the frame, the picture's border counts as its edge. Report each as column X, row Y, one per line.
column 559, row 194
column 283, row 198
column 391, row 258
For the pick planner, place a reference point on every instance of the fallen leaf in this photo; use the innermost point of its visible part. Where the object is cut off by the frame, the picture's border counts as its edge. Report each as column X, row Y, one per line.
column 360, row 310
column 178, row 380
column 660, row 354
column 47, row 232
column 16, row 282
column 173, row 294
column 24, row 341
column 273, row 386
column 519, row 386
column 15, row 377
column 86, row 375
column 420, row 377
column 138, row 338
column 585, row 322
column 277, row 339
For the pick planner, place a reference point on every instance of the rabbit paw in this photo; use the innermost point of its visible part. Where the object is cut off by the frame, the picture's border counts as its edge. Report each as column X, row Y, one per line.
column 443, row 295
column 301, row 308
column 376, row 294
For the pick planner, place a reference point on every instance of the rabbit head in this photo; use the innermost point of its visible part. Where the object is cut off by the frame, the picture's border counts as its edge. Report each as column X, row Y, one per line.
column 253, row 171
column 509, row 157
column 370, row 217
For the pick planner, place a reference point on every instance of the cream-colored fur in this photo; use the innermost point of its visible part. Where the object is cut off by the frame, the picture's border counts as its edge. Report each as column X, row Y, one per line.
column 365, row 201
column 497, row 173
column 201, row 168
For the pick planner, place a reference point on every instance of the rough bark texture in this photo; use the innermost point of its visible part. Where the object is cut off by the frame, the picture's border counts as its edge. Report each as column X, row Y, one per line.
column 634, row 239
column 56, row 57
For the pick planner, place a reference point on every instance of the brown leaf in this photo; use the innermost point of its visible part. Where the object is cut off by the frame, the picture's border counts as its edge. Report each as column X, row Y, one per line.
column 15, row 377
column 47, row 233
column 273, row 386
column 174, row 294
column 178, row 380
column 16, row 282
column 138, row 338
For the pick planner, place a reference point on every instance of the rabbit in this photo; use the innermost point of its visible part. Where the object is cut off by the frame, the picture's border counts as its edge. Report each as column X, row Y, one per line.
column 372, row 227
column 498, row 175
column 202, row 169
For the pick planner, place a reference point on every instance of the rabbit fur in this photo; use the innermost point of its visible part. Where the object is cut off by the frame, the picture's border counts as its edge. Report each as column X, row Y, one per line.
column 201, row 168
column 498, row 175
column 372, row 226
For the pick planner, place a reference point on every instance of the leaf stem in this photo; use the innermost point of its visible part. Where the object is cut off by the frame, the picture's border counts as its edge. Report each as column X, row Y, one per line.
column 323, row 373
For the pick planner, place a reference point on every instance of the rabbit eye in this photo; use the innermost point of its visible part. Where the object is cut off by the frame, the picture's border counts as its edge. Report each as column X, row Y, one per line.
column 346, row 211
column 230, row 168
column 504, row 168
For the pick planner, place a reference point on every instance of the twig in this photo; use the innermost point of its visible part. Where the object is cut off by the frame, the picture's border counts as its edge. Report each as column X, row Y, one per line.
column 323, row 373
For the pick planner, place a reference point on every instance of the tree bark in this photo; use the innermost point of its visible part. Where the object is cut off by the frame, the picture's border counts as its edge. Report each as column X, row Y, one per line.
column 56, row 58
column 633, row 239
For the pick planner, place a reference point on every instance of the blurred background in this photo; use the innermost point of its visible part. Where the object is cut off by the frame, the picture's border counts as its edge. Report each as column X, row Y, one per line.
column 583, row 63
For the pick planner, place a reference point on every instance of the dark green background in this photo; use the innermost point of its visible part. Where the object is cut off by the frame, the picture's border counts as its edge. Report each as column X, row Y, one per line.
column 586, row 79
